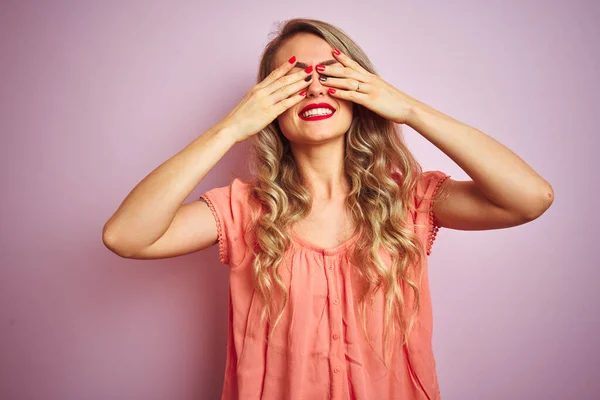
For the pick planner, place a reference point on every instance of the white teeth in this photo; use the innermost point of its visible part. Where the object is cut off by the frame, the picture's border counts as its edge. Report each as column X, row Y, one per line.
column 317, row 111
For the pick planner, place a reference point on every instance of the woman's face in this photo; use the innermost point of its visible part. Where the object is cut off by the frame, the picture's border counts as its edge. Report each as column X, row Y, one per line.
column 297, row 126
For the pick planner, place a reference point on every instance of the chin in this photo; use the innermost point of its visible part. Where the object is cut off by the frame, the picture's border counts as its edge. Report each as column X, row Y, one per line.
column 302, row 132
column 314, row 134
column 314, row 137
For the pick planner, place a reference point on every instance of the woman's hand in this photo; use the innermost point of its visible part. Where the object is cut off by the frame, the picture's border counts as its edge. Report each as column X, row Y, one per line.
column 373, row 92
column 267, row 100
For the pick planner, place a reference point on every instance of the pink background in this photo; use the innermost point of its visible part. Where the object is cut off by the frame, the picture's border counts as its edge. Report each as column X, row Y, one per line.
column 96, row 95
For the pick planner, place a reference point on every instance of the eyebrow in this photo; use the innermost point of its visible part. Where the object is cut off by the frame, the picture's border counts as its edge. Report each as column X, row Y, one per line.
column 327, row 62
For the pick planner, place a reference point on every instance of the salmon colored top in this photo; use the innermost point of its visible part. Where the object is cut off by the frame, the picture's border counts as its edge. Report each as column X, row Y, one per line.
column 319, row 349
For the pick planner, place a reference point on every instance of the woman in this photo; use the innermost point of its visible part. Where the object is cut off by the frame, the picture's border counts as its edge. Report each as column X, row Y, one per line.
column 327, row 245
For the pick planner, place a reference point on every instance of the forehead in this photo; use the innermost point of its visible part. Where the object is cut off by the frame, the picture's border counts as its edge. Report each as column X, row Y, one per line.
column 307, row 48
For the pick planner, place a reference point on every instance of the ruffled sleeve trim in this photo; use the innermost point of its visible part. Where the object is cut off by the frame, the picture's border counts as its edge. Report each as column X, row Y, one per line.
column 220, row 235
column 433, row 223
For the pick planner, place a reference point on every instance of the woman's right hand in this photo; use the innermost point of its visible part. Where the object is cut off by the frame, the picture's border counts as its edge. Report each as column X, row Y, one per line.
column 267, row 100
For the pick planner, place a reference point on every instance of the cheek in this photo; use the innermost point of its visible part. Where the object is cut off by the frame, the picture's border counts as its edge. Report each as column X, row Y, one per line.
column 285, row 117
column 347, row 107
column 286, row 122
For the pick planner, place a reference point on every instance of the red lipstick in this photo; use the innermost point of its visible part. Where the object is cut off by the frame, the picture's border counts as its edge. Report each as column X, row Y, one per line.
column 316, row 117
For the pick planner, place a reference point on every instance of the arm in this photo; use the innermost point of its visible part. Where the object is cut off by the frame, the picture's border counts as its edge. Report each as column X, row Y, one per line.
column 504, row 190
column 152, row 222
column 155, row 204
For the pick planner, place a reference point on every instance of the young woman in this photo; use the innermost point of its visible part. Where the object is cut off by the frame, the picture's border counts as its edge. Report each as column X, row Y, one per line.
column 327, row 246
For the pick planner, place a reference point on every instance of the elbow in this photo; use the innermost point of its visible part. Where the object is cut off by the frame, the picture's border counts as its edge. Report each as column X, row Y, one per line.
column 111, row 242
column 540, row 204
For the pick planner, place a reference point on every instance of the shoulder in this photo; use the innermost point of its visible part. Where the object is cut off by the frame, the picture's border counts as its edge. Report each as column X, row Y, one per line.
column 231, row 209
column 428, row 184
column 237, row 190
column 428, row 187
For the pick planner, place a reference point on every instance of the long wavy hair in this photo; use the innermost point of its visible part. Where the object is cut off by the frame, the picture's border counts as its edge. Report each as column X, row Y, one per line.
column 377, row 203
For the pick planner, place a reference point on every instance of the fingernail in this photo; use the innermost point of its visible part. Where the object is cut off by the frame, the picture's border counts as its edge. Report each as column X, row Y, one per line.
column 323, row 78
column 308, row 70
column 337, row 52
column 292, row 60
column 331, row 90
column 320, row 68
column 308, row 78
column 302, row 93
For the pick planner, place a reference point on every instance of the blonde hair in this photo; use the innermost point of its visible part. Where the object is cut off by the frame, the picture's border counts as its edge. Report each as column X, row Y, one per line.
column 377, row 203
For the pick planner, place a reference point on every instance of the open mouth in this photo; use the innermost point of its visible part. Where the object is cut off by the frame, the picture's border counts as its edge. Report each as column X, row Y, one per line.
column 316, row 112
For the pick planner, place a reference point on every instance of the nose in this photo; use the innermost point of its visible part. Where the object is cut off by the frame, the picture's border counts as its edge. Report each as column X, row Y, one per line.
column 315, row 89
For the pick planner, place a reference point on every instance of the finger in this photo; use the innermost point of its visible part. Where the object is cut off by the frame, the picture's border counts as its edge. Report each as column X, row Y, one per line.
column 289, row 102
column 289, row 90
column 351, row 95
column 278, row 72
column 342, row 83
column 341, row 72
column 348, row 62
column 288, row 80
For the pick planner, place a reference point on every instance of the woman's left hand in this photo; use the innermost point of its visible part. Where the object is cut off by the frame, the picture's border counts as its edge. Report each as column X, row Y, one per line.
column 373, row 92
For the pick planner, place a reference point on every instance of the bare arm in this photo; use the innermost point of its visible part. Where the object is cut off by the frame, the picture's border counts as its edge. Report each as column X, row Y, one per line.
column 156, row 203
column 505, row 191
column 152, row 222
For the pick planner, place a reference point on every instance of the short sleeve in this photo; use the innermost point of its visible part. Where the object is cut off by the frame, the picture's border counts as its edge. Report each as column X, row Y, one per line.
column 230, row 208
column 427, row 189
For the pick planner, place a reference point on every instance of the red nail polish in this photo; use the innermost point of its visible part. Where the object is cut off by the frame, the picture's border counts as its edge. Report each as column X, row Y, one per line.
column 302, row 93
column 331, row 90
column 292, row 60
column 337, row 52
column 308, row 70
column 320, row 68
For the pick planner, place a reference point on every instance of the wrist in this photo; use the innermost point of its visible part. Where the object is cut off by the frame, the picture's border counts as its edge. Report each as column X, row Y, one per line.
column 225, row 132
column 416, row 112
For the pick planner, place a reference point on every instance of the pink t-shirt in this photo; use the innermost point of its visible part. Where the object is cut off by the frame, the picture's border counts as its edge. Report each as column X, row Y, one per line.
column 319, row 349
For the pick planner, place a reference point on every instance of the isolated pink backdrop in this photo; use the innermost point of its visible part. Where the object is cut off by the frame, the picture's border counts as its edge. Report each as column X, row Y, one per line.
column 97, row 94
